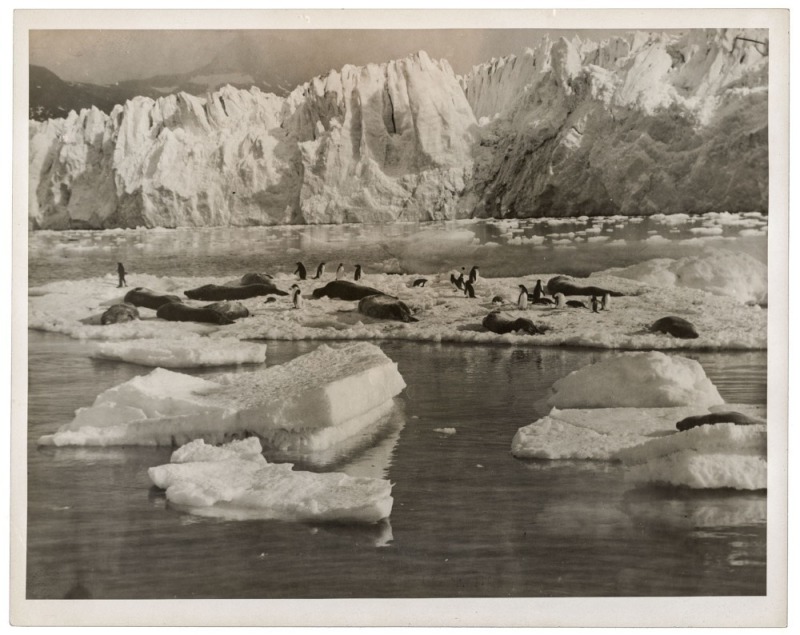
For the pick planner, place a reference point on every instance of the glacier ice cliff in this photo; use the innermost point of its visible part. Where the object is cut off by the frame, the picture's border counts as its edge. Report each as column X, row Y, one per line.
column 633, row 125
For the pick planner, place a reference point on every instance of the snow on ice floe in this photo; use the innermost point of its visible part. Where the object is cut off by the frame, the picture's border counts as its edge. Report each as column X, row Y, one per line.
column 311, row 402
column 721, row 272
column 605, row 426
column 444, row 314
column 236, row 482
column 184, row 353
column 636, row 380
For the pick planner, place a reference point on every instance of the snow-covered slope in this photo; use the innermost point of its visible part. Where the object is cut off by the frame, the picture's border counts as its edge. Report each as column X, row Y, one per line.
column 636, row 125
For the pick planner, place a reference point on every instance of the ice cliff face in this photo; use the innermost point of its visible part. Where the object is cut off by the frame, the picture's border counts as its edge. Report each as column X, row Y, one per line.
column 633, row 125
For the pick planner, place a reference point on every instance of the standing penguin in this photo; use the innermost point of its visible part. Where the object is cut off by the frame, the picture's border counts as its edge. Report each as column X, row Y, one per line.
column 606, row 302
column 301, row 271
column 357, row 274
column 459, row 282
column 320, row 271
column 468, row 289
column 522, row 301
column 473, row 275
column 340, row 271
column 538, row 292
column 297, row 299
column 560, row 299
column 594, row 304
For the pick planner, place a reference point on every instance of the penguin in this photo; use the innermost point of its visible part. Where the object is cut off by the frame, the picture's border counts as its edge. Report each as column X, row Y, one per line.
column 473, row 275
column 468, row 289
column 297, row 299
column 606, row 302
column 340, row 271
column 576, row 304
column 301, row 271
column 594, row 304
column 357, row 275
column 538, row 292
column 560, row 299
column 320, row 271
column 459, row 282
column 522, row 301
column 270, row 299
column 420, row 282
column 498, row 299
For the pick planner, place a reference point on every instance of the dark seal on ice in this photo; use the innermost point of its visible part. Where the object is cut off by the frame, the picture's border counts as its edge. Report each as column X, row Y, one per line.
column 675, row 326
column 569, row 286
column 420, row 282
column 231, row 310
column 256, row 278
column 736, row 418
column 216, row 292
column 148, row 299
column 344, row 290
column 386, row 308
column 179, row 312
column 498, row 323
column 120, row 313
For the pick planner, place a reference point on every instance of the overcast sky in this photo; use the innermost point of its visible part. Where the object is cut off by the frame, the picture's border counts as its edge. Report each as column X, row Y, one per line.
column 106, row 56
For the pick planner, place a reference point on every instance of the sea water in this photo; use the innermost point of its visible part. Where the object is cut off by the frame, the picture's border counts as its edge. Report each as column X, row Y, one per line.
column 469, row 520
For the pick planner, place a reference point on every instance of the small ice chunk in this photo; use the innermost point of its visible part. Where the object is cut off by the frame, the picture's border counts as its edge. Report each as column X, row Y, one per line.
column 636, row 380
column 188, row 353
column 235, row 481
column 445, row 430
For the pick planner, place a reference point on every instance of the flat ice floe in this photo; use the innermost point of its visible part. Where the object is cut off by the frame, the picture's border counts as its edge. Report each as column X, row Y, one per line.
column 184, row 353
column 311, row 402
column 633, row 419
column 236, row 482
column 445, row 314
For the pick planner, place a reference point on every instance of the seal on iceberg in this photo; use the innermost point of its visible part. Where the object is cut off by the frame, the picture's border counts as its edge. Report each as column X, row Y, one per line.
column 576, row 304
column 231, row 310
column 256, row 278
column 498, row 323
column 119, row 313
column 344, row 290
column 179, row 312
column 737, row 418
column 675, row 326
column 148, row 299
column 385, row 307
column 568, row 286
column 216, row 292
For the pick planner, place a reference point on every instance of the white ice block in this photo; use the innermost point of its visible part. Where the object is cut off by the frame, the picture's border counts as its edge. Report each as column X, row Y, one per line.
column 187, row 353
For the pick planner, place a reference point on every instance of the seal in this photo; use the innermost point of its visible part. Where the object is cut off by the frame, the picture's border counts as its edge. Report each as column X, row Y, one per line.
column 576, row 304
column 340, row 271
column 357, row 273
column 737, row 418
column 180, row 312
column 344, row 290
column 501, row 324
column 320, row 271
column 301, row 271
column 231, row 310
column 543, row 301
column 119, row 313
column 522, row 300
column 469, row 290
column 215, row 292
column 256, row 278
column 140, row 296
column 568, row 286
column 386, row 308
column 420, row 282
column 675, row 326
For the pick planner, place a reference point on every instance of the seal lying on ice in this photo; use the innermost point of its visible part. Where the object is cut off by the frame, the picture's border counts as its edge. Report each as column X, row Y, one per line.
column 496, row 322
column 216, row 292
column 385, row 307
column 179, row 312
column 736, row 418
column 344, row 290
column 256, row 278
column 140, row 296
column 569, row 286
column 119, row 313
column 231, row 310
column 675, row 326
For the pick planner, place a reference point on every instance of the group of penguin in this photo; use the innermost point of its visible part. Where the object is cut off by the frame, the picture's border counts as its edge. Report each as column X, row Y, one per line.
column 303, row 275
column 559, row 299
column 466, row 285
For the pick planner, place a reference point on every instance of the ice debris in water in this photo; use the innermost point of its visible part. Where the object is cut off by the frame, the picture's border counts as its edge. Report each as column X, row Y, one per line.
column 312, row 402
column 235, row 481
column 636, row 380
column 188, row 353
column 626, row 409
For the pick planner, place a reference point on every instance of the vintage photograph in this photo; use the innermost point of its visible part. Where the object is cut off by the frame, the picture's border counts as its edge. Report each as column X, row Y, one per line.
column 438, row 308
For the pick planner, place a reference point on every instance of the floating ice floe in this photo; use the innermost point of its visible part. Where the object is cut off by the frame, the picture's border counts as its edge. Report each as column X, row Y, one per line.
column 236, row 482
column 186, row 353
column 633, row 419
column 311, row 402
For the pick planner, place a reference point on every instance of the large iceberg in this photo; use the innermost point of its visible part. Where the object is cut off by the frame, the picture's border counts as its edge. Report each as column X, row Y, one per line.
column 312, row 402
column 236, row 482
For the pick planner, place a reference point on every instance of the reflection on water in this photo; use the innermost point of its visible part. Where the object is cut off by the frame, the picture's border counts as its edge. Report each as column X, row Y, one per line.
column 469, row 520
